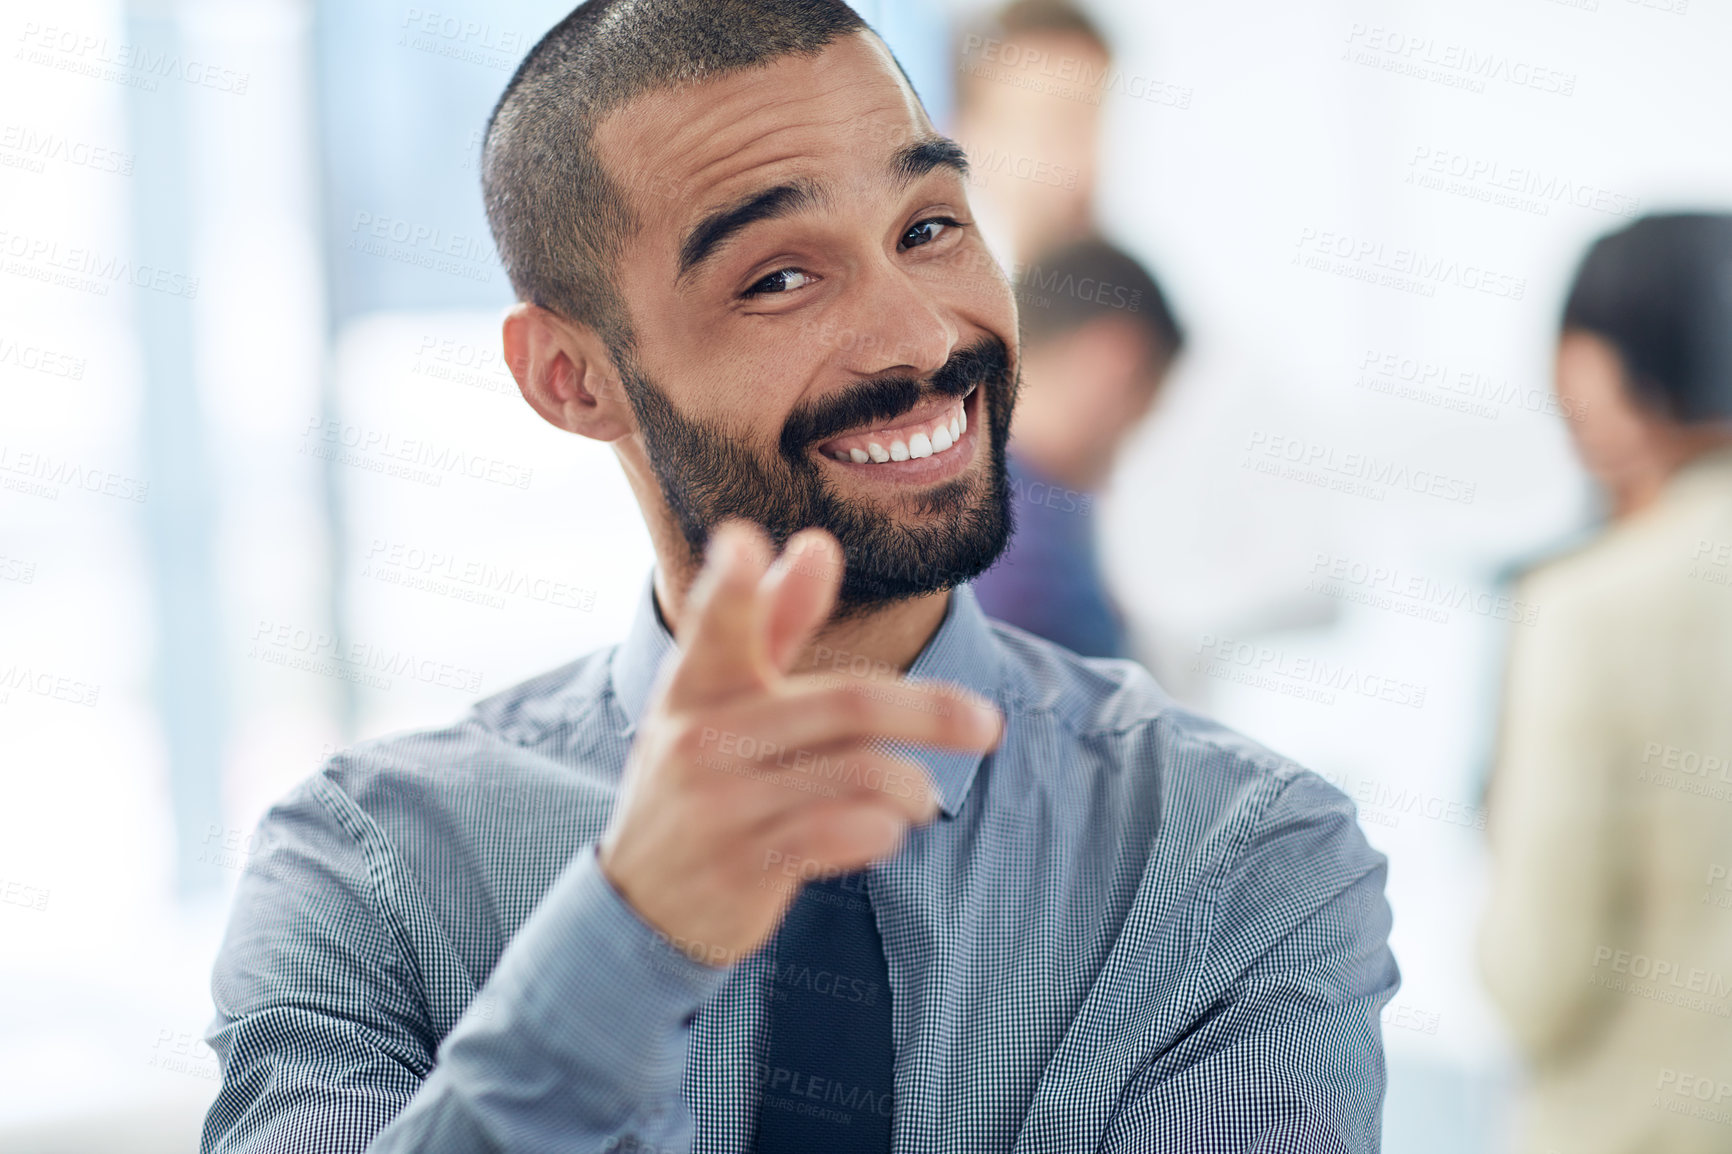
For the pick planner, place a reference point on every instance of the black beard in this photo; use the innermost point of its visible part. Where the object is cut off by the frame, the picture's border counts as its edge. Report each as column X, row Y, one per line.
column 707, row 476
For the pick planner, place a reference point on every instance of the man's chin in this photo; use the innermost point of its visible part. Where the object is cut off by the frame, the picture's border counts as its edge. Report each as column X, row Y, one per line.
column 957, row 534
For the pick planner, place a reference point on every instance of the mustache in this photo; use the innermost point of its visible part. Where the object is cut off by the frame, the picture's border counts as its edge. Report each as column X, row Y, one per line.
column 882, row 400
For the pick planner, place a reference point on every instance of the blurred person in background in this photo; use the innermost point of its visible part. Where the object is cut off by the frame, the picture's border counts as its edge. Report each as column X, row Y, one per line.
column 1030, row 79
column 1607, row 942
column 1098, row 340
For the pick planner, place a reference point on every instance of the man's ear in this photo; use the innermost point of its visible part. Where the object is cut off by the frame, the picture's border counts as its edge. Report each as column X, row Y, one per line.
column 566, row 373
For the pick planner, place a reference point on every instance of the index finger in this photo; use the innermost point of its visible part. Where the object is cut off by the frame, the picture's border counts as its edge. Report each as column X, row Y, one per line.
column 817, row 711
column 722, row 632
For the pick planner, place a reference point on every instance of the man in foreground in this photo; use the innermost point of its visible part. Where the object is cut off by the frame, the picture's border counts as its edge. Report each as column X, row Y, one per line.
column 767, row 893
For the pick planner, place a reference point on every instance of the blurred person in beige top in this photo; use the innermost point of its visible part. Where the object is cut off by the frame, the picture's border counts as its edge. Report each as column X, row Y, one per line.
column 1607, row 943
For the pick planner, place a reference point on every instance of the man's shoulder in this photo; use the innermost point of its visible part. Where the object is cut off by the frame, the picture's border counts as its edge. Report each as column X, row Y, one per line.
column 1117, row 706
column 1088, row 695
column 1214, row 811
column 505, row 750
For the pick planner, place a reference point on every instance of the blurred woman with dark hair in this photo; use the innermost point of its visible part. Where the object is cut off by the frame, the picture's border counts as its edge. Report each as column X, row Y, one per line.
column 1607, row 941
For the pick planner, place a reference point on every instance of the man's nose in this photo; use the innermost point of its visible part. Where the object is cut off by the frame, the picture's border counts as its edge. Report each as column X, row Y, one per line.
column 902, row 329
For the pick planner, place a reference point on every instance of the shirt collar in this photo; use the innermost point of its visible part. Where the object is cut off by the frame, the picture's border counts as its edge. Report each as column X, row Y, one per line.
column 964, row 651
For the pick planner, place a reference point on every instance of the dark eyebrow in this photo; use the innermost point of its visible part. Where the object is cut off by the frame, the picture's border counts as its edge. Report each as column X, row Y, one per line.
column 914, row 161
column 709, row 233
column 910, row 163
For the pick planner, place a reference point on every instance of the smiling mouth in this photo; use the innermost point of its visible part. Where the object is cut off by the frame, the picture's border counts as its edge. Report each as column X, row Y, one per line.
column 930, row 430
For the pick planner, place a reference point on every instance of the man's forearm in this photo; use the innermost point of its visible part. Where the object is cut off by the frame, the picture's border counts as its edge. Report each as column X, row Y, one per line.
column 581, row 1044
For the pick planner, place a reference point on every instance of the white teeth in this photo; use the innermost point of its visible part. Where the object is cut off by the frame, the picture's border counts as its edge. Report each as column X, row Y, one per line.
column 942, row 437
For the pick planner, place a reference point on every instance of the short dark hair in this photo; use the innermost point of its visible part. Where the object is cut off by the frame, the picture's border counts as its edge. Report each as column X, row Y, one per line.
column 1660, row 292
column 558, row 217
column 1022, row 17
column 1089, row 280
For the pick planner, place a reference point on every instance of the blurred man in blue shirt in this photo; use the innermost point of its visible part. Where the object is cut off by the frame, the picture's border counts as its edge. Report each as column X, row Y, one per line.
column 1098, row 339
column 818, row 859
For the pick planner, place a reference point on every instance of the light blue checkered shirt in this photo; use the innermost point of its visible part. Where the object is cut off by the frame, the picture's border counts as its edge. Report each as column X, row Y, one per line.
column 1130, row 930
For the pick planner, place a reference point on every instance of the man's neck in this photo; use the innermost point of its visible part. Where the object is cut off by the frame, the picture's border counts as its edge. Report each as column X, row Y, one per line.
column 881, row 642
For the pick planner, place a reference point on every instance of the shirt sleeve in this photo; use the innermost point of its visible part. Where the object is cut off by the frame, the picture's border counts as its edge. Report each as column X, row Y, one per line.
column 1288, row 1057
column 577, row 1042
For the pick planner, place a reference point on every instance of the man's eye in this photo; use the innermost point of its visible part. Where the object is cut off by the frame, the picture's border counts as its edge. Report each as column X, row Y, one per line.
column 927, row 231
column 780, row 281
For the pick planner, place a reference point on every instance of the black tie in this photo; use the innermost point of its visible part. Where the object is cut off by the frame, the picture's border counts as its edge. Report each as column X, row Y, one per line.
column 825, row 1086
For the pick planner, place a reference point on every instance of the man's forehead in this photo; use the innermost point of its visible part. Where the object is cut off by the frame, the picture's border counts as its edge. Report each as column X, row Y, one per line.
column 675, row 150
